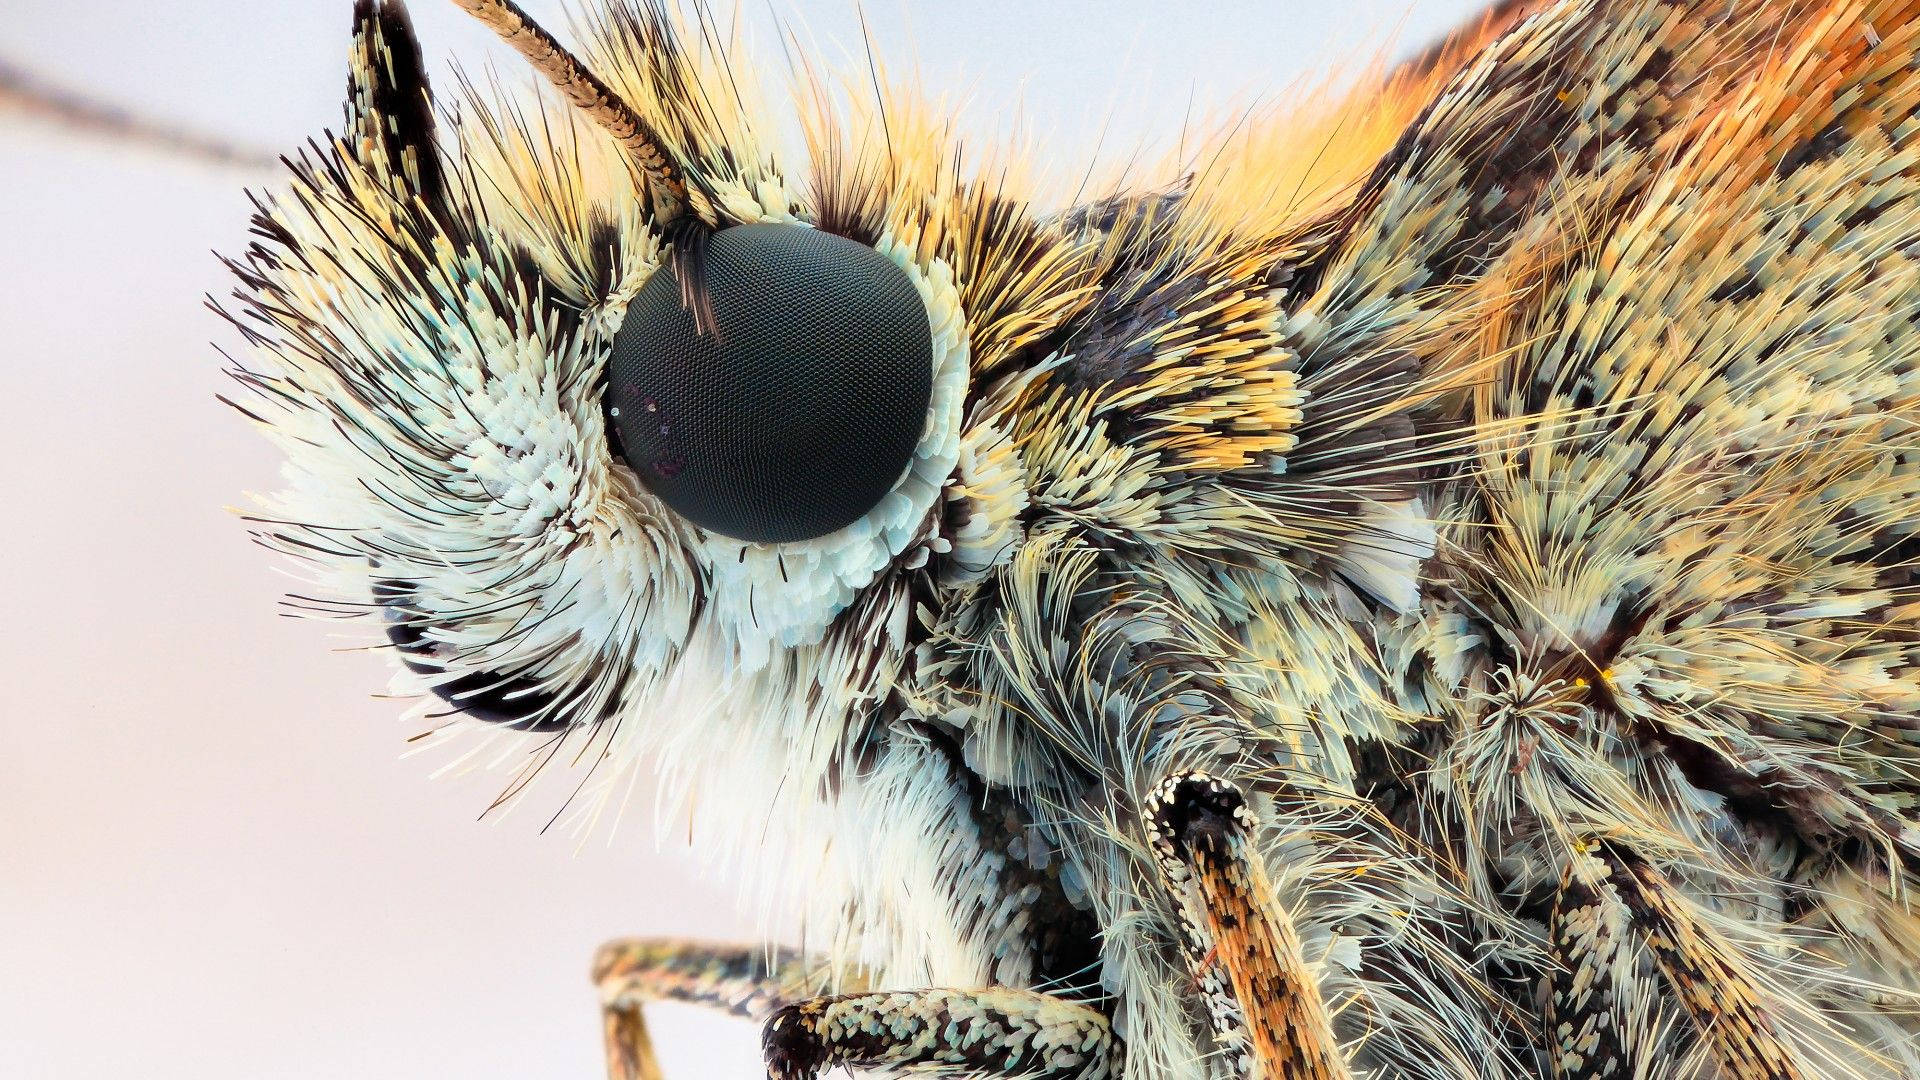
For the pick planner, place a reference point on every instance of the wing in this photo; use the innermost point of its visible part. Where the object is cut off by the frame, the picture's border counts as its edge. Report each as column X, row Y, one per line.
column 1668, row 639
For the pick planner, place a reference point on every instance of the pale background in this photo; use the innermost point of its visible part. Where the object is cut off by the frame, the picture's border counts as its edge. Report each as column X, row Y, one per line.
column 213, row 861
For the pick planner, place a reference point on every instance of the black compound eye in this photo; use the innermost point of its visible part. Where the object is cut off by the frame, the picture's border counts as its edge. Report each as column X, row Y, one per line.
column 802, row 411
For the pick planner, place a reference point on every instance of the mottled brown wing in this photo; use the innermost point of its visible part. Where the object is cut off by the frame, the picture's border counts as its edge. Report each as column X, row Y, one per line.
column 1672, row 621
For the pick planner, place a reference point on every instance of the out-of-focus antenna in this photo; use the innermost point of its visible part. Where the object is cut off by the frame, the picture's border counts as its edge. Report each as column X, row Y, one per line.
column 24, row 93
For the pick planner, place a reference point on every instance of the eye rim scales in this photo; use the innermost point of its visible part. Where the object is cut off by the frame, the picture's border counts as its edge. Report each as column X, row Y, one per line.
column 1218, row 531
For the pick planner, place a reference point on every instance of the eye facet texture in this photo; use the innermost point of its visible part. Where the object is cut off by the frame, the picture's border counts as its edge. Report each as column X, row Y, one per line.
column 802, row 412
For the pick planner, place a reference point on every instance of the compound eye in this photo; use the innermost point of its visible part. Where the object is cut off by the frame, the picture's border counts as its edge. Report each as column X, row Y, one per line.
column 802, row 411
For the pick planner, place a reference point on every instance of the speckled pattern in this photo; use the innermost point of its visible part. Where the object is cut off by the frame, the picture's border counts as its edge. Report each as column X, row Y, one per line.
column 748, row 981
column 1245, row 954
column 998, row 1032
column 744, row 980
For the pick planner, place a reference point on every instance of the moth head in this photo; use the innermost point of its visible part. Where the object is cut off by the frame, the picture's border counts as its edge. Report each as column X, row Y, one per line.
column 604, row 411
column 586, row 402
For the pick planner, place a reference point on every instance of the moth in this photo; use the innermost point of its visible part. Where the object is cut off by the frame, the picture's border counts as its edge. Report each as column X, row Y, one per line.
column 1427, row 591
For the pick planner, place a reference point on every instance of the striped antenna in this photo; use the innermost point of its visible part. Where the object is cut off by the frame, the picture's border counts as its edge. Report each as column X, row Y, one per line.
column 638, row 138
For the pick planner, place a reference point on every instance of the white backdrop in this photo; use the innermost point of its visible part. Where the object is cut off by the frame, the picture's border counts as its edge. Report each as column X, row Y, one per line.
column 213, row 862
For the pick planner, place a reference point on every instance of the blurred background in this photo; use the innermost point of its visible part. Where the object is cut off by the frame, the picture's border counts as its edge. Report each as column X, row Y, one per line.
column 214, row 860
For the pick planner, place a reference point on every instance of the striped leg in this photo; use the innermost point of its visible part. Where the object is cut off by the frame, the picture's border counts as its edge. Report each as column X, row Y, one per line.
column 745, row 981
column 1726, row 1004
column 1266, row 1006
column 1612, row 904
column 1590, row 935
column 957, row 1033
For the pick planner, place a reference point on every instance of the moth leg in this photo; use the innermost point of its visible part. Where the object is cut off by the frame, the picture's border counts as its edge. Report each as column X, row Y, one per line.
column 629, row 1046
column 1590, row 935
column 748, row 981
column 1263, row 1001
column 1607, row 902
column 1723, row 999
column 961, row 1033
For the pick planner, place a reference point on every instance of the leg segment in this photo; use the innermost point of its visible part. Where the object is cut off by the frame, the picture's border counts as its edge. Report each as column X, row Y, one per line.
column 1590, row 935
column 1264, row 1002
column 746, row 981
column 961, row 1033
column 629, row 1047
column 1726, row 1005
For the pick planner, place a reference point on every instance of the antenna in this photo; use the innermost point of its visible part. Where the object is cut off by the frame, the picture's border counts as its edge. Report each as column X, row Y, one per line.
column 21, row 91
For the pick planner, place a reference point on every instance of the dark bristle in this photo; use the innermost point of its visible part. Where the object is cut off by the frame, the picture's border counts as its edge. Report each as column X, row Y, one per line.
column 847, row 199
column 603, row 251
column 692, row 239
column 388, row 97
column 509, row 700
